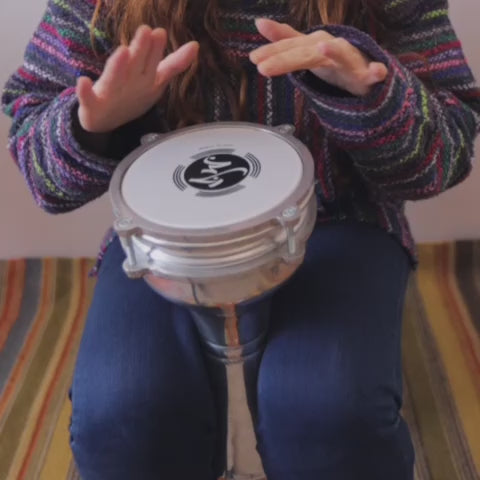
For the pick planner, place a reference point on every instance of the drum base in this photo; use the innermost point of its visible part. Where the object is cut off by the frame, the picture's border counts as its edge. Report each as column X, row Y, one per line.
column 234, row 337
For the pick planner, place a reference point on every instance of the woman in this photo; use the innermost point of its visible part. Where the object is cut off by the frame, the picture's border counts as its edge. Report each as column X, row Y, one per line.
column 381, row 94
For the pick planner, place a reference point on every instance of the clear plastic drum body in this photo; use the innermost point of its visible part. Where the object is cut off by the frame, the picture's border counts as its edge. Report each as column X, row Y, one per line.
column 222, row 265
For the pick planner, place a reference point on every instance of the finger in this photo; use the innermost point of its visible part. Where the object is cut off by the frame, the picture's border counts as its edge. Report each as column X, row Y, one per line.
column 300, row 58
column 275, row 31
column 115, row 71
column 84, row 91
column 177, row 62
column 157, row 51
column 140, row 48
column 262, row 53
column 378, row 72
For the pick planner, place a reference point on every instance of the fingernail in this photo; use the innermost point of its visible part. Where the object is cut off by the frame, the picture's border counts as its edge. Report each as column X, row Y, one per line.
column 260, row 19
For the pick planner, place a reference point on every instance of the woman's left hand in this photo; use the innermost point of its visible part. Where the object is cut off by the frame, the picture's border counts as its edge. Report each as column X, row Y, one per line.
column 334, row 60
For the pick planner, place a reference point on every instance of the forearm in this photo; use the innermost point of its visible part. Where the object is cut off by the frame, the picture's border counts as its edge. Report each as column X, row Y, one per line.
column 408, row 139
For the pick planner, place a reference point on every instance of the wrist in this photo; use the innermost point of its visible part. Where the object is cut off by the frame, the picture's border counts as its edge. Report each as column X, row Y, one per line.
column 95, row 142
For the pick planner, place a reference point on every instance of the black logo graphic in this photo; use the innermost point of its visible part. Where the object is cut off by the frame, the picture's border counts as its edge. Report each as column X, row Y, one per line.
column 217, row 173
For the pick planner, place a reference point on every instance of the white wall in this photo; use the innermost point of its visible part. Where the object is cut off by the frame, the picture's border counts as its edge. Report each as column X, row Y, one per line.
column 27, row 231
column 455, row 214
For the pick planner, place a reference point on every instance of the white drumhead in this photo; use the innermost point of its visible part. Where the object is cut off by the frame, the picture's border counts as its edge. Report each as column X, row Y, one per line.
column 214, row 177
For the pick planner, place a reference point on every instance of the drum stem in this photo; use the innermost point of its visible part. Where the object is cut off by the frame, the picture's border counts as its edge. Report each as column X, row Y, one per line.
column 234, row 339
column 243, row 461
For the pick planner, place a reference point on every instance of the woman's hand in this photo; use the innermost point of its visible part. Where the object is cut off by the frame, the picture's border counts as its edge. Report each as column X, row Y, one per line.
column 334, row 60
column 133, row 80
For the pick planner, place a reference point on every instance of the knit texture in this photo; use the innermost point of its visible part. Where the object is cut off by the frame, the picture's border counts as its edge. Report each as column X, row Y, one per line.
column 406, row 140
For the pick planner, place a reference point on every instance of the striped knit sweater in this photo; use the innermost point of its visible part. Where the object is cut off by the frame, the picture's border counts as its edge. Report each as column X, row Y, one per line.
column 403, row 141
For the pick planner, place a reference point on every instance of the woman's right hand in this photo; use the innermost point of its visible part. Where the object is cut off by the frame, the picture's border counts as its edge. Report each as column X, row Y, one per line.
column 132, row 82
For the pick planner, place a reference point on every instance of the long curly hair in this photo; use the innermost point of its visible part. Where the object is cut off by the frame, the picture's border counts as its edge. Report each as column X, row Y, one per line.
column 185, row 99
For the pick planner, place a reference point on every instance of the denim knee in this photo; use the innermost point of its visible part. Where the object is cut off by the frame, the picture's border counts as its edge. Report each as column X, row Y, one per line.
column 327, row 408
column 119, row 437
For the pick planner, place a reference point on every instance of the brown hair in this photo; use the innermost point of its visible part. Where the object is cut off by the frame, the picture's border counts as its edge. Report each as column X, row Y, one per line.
column 181, row 18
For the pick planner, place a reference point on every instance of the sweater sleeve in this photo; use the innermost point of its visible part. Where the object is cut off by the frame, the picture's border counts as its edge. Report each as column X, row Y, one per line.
column 410, row 138
column 64, row 166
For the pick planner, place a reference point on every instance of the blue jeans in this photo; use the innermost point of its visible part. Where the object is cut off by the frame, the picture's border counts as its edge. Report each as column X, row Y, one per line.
column 329, row 386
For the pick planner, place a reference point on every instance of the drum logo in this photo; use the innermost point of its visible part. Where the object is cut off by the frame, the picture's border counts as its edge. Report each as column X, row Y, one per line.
column 217, row 172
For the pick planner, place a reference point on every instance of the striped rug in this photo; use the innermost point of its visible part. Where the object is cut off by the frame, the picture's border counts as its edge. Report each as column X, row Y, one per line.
column 43, row 303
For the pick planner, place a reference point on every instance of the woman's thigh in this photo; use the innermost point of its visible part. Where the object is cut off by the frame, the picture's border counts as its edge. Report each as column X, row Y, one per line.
column 142, row 401
column 331, row 371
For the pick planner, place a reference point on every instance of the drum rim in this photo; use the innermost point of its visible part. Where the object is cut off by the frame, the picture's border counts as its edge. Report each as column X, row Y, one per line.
column 128, row 222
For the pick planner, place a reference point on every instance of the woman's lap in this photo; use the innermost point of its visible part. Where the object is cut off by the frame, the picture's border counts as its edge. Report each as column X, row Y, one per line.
column 333, row 353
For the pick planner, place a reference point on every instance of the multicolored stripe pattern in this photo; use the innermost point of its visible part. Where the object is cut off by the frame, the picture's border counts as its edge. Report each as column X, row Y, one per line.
column 405, row 140
column 43, row 304
column 442, row 361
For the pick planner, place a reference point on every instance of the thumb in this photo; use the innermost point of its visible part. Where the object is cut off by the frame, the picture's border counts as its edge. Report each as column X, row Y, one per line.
column 84, row 91
column 275, row 31
column 378, row 72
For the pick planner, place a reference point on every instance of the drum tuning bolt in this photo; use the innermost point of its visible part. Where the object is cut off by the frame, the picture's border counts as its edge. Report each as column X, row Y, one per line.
column 291, row 212
column 285, row 129
column 289, row 219
column 149, row 138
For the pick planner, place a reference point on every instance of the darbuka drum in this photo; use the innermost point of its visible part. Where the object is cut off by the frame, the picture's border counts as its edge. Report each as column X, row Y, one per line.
column 214, row 217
